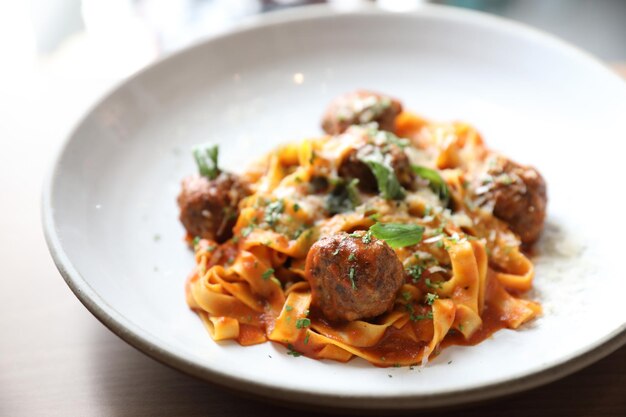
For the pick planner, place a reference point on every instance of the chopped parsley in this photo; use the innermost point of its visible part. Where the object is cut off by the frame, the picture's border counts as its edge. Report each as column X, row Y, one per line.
column 406, row 295
column 398, row 235
column 352, row 256
column 430, row 298
column 417, row 317
column 273, row 212
column 245, row 232
column 431, row 284
column 268, row 273
column 427, row 316
column 302, row 323
column 435, row 182
column 288, row 307
column 206, row 158
column 336, row 252
column 196, row 240
column 296, row 207
column 306, row 338
column 351, row 275
column 393, row 139
column 298, row 232
column 291, row 351
column 367, row 237
column 415, row 271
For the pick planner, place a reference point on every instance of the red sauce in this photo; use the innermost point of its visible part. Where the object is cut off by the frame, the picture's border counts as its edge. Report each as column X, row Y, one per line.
column 491, row 324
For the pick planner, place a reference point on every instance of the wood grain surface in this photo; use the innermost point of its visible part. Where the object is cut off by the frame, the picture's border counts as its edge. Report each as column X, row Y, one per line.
column 56, row 359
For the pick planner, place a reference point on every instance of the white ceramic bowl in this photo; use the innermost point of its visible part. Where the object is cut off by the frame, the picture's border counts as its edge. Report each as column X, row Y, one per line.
column 111, row 218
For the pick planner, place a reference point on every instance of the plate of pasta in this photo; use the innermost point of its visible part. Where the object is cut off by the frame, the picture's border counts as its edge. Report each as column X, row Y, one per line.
column 318, row 210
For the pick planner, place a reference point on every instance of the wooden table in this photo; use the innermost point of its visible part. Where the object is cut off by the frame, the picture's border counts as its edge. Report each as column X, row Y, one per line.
column 57, row 359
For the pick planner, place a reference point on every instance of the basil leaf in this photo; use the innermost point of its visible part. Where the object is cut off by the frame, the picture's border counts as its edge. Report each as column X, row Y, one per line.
column 206, row 159
column 398, row 235
column 388, row 184
column 345, row 197
column 436, row 183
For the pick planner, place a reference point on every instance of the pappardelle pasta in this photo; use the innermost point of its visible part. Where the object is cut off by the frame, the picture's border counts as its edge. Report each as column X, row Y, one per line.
column 387, row 238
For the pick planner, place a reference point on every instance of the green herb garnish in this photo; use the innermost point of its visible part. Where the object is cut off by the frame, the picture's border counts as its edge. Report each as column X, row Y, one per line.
column 245, row 232
column 435, row 182
column 431, row 284
column 351, row 275
column 388, row 184
column 415, row 271
column 206, row 158
column 302, row 323
column 273, row 212
column 400, row 142
column 291, row 351
column 344, row 197
column 398, row 235
column 268, row 273
column 416, row 317
column 430, row 298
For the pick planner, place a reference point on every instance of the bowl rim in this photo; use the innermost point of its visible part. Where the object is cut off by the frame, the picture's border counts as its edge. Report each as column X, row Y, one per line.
column 150, row 345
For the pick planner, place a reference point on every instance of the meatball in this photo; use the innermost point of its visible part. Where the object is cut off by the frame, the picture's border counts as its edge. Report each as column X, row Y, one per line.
column 519, row 196
column 360, row 107
column 209, row 208
column 353, row 167
column 353, row 276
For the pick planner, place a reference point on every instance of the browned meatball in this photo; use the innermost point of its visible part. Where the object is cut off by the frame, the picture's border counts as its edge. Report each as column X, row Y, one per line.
column 361, row 107
column 519, row 196
column 352, row 276
column 209, row 208
column 353, row 167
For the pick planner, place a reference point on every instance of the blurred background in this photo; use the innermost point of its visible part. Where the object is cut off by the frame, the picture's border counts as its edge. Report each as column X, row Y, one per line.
column 76, row 49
